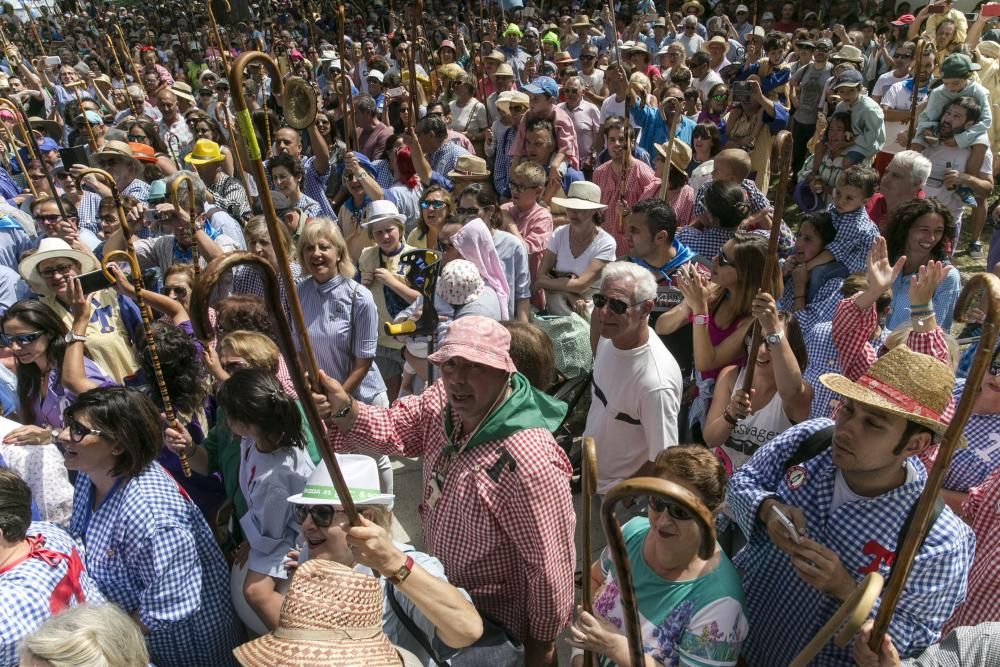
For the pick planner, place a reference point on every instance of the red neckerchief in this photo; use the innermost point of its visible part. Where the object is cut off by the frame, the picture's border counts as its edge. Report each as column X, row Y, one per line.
column 69, row 587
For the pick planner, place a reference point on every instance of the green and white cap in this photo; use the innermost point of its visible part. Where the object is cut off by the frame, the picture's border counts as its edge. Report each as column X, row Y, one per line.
column 361, row 474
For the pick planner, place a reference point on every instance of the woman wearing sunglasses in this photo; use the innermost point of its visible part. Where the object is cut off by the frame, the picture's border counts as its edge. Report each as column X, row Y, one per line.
column 435, row 207
column 688, row 606
column 357, row 175
column 145, row 543
column 145, row 132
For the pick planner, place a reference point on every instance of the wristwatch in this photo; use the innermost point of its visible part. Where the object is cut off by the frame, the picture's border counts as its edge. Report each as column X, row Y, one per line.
column 774, row 339
column 402, row 573
column 345, row 411
column 72, row 337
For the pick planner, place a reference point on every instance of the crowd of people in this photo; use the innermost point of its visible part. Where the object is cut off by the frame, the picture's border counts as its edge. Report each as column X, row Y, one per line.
column 506, row 226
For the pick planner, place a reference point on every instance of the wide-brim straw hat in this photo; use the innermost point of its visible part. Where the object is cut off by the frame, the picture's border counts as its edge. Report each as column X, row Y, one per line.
column 331, row 617
column 52, row 247
column 582, row 196
column 470, row 167
column 681, row 156
column 914, row 386
column 48, row 127
column 848, row 53
column 691, row 4
column 118, row 151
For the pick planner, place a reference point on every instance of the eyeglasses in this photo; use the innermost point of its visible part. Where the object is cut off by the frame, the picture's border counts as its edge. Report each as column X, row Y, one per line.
column 467, row 211
column 21, row 339
column 616, row 306
column 62, row 269
column 179, row 291
column 77, row 431
column 675, row 511
column 722, row 259
column 434, row 204
column 137, row 138
column 322, row 515
column 48, row 217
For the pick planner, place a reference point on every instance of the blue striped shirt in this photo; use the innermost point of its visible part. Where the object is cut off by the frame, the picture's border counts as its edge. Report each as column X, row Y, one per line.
column 944, row 299
column 337, row 312
column 87, row 211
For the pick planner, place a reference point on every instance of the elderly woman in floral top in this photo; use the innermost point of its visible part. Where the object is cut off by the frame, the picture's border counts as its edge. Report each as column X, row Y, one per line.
column 691, row 609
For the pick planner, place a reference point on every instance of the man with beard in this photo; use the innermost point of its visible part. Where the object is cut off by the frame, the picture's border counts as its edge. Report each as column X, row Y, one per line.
column 948, row 159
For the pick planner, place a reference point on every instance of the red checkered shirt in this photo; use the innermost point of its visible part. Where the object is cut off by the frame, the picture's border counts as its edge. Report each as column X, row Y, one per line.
column 982, row 599
column 509, row 542
column 639, row 176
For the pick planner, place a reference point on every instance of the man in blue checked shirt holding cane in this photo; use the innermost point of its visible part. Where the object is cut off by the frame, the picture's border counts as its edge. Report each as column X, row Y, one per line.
column 848, row 505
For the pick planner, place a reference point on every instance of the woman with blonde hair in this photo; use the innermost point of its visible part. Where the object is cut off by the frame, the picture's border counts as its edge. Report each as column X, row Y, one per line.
column 341, row 319
column 95, row 636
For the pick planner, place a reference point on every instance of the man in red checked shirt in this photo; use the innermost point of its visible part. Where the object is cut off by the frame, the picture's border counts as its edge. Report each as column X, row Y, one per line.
column 496, row 507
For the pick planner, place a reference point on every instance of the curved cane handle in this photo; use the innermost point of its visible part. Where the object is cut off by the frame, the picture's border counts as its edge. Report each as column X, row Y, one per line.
column 102, row 175
column 200, row 296
column 847, row 620
column 647, row 486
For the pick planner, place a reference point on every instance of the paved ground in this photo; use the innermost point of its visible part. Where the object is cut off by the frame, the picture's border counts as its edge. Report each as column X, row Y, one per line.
column 406, row 527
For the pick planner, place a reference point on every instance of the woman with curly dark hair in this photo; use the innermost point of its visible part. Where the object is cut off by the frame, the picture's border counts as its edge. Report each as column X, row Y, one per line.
column 922, row 230
column 144, row 132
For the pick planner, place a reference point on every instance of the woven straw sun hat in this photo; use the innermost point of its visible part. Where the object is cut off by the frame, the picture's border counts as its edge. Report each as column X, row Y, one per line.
column 914, row 386
column 331, row 617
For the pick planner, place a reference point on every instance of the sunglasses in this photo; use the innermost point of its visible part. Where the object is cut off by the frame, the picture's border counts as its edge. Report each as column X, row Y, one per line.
column 903, row 56
column 62, row 175
column 179, row 291
column 571, row 90
column 616, row 306
column 722, row 260
column 48, row 217
column 444, row 246
column 675, row 511
column 720, row 98
column 518, row 108
column 138, row 138
column 322, row 515
column 436, row 204
column 585, row 56
column 467, row 211
column 21, row 339
column 77, row 431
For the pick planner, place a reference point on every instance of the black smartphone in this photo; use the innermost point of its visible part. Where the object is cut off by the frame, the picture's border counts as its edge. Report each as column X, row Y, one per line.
column 74, row 155
column 94, row 281
column 741, row 91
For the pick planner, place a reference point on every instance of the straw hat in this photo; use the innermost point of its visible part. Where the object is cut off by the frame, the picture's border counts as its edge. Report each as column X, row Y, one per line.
column 451, row 71
column 503, row 69
column 52, row 247
column 470, row 167
column 848, row 53
column 47, row 127
column 680, row 158
column 582, row 196
column 581, row 21
column 495, row 55
column 182, row 90
column 361, row 475
column 116, row 151
column 508, row 97
column 914, row 386
column 205, row 151
column 331, row 616
column 564, row 58
column 692, row 4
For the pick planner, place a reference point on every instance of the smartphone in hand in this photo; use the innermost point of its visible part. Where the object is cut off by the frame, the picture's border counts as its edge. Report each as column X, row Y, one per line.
column 787, row 523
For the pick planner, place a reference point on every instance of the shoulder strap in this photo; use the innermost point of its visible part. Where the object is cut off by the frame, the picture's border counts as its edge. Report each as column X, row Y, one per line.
column 810, row 447
column 905, row 528
column 408, row 623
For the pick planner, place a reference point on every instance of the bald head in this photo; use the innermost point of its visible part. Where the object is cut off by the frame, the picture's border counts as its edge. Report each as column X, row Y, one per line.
column 731, row 164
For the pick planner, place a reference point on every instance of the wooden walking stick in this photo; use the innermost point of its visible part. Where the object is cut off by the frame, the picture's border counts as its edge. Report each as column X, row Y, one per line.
column 34, row 29
column 91, row 137
column 783, row 144
column 918, row 54
column 845, row 622
column 144, row 310
column 128, row 55
column 350, row 136
column 8, row 104
column 665, row 177
column 200, row 296
column 192, row 207
column 647, row 486
column 588, row 469
column 982, row 291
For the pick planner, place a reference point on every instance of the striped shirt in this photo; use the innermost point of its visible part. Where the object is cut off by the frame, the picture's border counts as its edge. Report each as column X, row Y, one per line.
column 638, row 178
column 982, row 510
column 342, row 322
column 944, row 299
column 87, row 211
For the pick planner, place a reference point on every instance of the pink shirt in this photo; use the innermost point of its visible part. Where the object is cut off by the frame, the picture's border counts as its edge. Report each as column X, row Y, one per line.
column 535, row 227
column 682, row 201
column 639, row 176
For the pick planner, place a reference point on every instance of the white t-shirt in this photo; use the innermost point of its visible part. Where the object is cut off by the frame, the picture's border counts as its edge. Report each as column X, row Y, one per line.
column 602, row 247
column 885, row 82
column 899, row 98
column 705, row 85
column 635, row 401
column 594, row 81
column 940, row 156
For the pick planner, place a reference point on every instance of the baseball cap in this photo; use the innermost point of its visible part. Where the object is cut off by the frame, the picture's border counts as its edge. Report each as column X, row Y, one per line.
column 543, row 85
column 850, row 79
column 905, row 19
column 742, row 9
column 956, row 66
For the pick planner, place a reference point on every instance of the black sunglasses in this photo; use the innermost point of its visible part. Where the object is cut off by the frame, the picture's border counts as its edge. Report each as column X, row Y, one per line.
column 467, row 211
column 21, row 339
column 179, row 291
column 322, row 515
column 675, row 511
column 722, row 259
column 77, row 431
column 616, row 306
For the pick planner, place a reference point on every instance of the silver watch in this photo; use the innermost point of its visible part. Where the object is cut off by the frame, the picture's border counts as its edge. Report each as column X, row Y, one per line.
column 774, row 339
column 72, row 337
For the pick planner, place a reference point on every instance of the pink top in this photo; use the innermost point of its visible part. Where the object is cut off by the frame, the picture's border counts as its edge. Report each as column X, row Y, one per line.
column 717, row 335
column 682, row 201
column 639, row 176
column 535, row 227
column 981, row 511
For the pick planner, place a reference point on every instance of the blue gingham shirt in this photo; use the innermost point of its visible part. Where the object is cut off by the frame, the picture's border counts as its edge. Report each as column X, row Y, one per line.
column 820, row 309
column 945, row 297
column 443, row 159
column 309, row 206
column 784, row 611
column 855, row 234
column 313, row 184
column 87, row 211
column 150, row 551
column 26, row 590
column 383, row 174
column 330, row 324
column 756, row 199
column 140, row 190
column 823, row 358
column 501, row 165
column 971, row 465
column 705, row 242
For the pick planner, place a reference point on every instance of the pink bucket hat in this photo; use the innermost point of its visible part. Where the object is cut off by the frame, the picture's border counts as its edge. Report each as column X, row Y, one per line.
column 477, row 339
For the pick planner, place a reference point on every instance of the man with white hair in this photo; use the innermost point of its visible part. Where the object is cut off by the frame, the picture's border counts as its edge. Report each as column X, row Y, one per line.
column 904, row 179
column 637, row 383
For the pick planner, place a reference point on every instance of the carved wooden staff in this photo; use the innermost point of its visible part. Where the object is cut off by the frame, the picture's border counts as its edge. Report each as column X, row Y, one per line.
column 588, row 482
column 8, row 104
column 200, row 297
column 192, row 213
column 647, row 486
column 128, row 54
column 982, row 291
column 626, row 127
column 665, row 177
column 918, row 54
column 144, row 310
column 91, row 137
column 783, row 144
column 350, row 130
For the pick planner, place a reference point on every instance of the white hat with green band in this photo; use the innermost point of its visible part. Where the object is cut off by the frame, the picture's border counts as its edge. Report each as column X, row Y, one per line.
column 361, row 474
